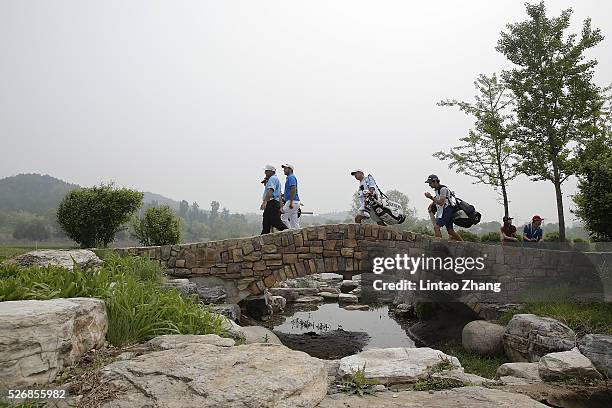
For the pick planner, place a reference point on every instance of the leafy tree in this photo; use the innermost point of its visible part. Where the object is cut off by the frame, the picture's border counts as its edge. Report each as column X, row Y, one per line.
column 92, row 216
column 594, row 197
column 159, row 226
column 33, row 230
column 486, row 153
column 214, row 212
column 183, row 209
column 556, row 99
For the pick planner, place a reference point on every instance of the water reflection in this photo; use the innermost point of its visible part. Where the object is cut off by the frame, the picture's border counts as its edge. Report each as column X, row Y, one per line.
column 382, row 329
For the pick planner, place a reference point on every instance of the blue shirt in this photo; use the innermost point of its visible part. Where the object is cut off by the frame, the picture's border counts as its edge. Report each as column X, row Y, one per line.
column 291, row 181
column 274, row 184
column 532, row 233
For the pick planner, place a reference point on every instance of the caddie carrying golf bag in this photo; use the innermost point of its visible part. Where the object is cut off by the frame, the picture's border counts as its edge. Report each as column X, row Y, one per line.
column 386, row 210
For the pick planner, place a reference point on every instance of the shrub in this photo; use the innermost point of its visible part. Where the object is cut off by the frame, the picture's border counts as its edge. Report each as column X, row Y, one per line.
column 468, row 236
column 579, row 240
column 490, row 237
column 92, row 216
column 159, row 226
column 419, row 229
column 138, row 309
column 552, row 236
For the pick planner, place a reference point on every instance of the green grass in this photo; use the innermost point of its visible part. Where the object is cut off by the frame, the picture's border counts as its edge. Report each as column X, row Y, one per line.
column 437, row 384
column 586, row 317
column 358, row 384
column 473, row 363
column 138, row 309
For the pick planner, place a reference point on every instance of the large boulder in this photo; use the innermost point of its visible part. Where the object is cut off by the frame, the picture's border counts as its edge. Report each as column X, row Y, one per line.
column 529, row 337
column 397, row 365
column 598, row 349
column 229, row 310
column 40, row 337
column 206, row 376
column 170, row 341
column 566, row 365
column 483, row 338
column 57, row 257
column 464, row 397
column 348, row 285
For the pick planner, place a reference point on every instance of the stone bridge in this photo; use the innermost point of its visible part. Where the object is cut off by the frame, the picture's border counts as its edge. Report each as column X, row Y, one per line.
column 247, row 266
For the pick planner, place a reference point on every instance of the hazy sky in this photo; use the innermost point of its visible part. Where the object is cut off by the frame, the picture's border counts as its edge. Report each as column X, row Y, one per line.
column 190, row 99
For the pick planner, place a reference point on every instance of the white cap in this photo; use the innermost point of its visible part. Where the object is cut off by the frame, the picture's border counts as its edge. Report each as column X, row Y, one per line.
column 287, row 165
column 270, row 167
column 355, row 171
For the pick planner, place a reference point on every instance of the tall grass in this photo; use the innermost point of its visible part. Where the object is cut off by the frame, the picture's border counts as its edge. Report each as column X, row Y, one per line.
column 138, row 309
column 587, row 317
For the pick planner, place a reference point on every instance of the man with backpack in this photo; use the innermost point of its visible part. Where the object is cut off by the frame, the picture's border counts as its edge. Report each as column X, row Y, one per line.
column 271, row 202
column 367, row 188
column 445, row 210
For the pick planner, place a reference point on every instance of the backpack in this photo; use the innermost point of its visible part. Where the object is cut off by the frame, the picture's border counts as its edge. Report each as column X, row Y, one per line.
column 388, row 211
column 465, row 213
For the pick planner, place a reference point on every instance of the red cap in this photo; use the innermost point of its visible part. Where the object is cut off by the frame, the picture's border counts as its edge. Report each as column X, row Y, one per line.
column 536, row 218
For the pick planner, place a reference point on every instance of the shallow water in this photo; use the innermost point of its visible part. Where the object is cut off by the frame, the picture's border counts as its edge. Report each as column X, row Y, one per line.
column 383, row 330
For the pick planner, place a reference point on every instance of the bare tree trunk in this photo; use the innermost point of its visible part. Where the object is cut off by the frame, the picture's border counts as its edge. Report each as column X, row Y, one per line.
column 559, row 194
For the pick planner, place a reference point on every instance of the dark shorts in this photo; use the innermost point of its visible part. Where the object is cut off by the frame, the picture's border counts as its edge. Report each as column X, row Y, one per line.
column 447, row 218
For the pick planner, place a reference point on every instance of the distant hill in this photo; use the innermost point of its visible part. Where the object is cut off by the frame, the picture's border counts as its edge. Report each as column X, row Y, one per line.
column 39, row 194
column 33, row 193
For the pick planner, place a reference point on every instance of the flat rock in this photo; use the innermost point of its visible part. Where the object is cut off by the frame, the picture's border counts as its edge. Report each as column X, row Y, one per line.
column 395, row 365
column 328, row 295
column 56, row 257
column 347, row 298
column 529, row 337
column 566, row 365
column 526, row 371
column 464, row 397
column 40, row 337
column 214, row 294
column 184, row 286
column 293, row 293
column 598, row 349
column 356, row 307
column 258, row 334
column 309, row 299
column 206, row 376
column 170, row 341
column 483, row 338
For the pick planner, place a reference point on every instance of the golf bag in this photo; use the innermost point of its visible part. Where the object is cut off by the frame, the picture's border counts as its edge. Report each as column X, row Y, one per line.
column 465, row 213
column 386, row 210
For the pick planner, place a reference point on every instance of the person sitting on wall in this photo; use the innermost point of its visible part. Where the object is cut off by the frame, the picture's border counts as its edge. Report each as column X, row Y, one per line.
column 532, row 232
column 507, row 232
